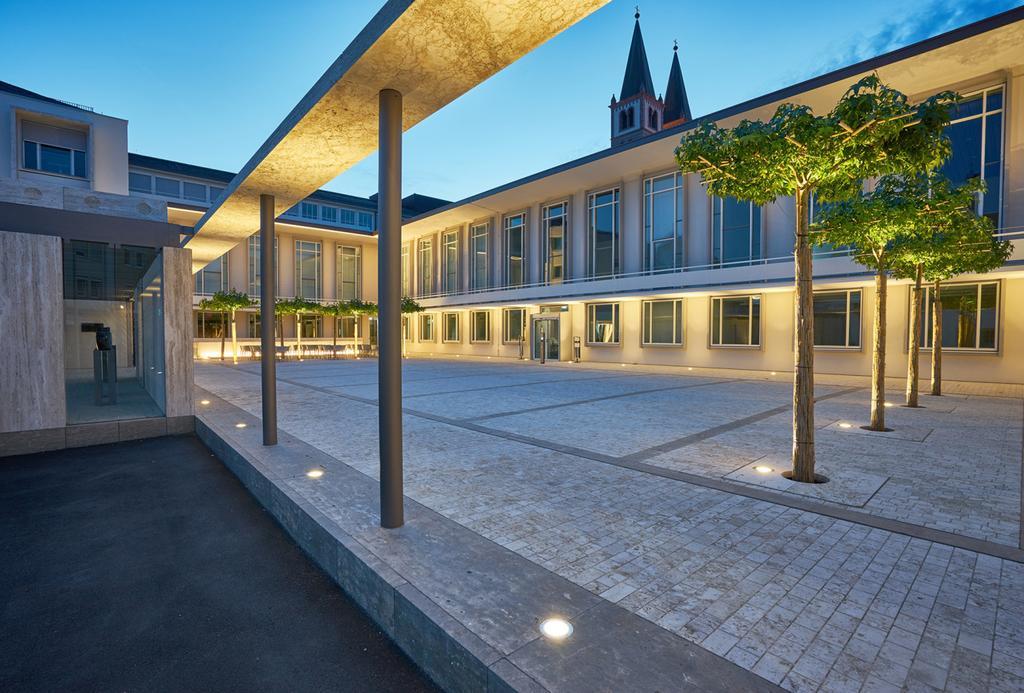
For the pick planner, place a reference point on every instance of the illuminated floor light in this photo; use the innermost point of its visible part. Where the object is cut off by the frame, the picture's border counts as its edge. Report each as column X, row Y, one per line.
column 845, row 425
column 556, row 628
column 690, row 368
column 763, row 469
column 315, row 473
column 888, row 404
column 204, row 401
column 774, row 373
column 240, row 425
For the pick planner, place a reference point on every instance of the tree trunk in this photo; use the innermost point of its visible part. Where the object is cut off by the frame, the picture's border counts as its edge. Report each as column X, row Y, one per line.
column 298, row 335
column 334, row 339
column 223, row 333
column 279, row 321
column 936, row 304
column 914, row 340
column 878, row 355
column 803, row 371
column 234, row 339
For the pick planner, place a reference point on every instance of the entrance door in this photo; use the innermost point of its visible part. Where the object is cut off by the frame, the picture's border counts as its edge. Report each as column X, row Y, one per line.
column 545, row 344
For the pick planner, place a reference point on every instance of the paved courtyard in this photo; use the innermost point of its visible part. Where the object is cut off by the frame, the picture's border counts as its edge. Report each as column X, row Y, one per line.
column 903, row 571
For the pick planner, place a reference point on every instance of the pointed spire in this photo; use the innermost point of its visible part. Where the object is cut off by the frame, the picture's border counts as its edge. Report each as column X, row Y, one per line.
column 638, row 73
column 677, row 107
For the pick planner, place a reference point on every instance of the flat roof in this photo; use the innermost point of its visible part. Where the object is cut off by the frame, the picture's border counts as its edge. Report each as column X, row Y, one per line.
column 432, row 51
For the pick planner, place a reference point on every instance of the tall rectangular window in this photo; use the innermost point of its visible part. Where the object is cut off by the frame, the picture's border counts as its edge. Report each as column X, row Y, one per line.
column 450, row 327
column 837, row 319
column 603, row 323
column 976, row 135
column 312, row 326
column 213, row 277
column 210, row 325
column 663, row 322
column 553, row 233
column 347, row 266
column 307, row 269
column 736, row 321
column 405, row 270
column 480, row 326
column 346, row 326
column 970, row 317
column 735, row 231
column 450, row 261
column 425, row 266
column 426, row 327
column 663, row 222
column 478, row 256
column 53, row 149
column 255, row 263
column 515, row 250
column 512, row 328
column 603, row 232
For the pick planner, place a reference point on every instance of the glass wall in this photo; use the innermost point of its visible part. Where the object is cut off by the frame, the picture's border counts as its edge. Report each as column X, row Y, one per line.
column 735, row 231
column 515, row 250
column 425, row 266
column 478, row 256
column 213, row 277
column 348, row 273
column 603, row 232
column 976, row 135
column 553, row 219
column 450, row 261
column 307, row 269
column 663, row 223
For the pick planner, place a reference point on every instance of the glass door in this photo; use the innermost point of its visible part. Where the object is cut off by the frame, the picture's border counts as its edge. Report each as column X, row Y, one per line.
column 545, row 344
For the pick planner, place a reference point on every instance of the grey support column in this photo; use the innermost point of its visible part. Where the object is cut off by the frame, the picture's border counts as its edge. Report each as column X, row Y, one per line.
column 389, row 320
column 268, row 291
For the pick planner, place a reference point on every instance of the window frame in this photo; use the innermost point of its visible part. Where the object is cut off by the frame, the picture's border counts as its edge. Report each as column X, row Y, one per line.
column 506, row 247
column 678, row 191
column 473, row 339
column 425, row 271
column 750, row 327
column 592, row 324
column 480, row 230
column 592, row 209
column 77, row 127
column 405, row 266
column 717, row 233
column 505, row 314
column 427, row 319
column 445, row 316
column 545, row 239
column 983, row 116
column 318, row 259
column 200, row 277
column 450, row 270
column 926, row 319
column 860, row 326
column 340, row 251
column 678, row 322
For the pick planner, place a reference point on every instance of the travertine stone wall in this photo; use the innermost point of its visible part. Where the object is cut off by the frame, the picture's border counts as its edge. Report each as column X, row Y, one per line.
column 31, row 326
column 178, row 287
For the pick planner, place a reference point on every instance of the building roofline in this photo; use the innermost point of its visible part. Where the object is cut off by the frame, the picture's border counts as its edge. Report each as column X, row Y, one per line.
column 959, row 34
column 9, row 88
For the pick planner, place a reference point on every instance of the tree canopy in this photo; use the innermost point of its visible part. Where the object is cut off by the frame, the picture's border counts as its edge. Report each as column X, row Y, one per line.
column 226, row 301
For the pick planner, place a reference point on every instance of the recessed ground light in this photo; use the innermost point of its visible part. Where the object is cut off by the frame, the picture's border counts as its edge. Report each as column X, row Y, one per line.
column 556, row 628
column 315, row 473
column 888, row 404
column 690, row 368
column 774, row 373
column 240, row 425
column 763, row 469
column 845, row 425
column 204, row 401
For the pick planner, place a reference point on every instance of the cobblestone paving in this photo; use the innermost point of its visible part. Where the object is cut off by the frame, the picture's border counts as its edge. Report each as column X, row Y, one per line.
column 805, row 600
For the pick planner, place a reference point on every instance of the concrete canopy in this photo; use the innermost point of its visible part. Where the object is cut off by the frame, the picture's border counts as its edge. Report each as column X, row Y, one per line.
column 432, row 51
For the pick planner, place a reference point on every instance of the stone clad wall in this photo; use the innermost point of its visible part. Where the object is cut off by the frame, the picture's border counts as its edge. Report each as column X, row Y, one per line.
column 31, row 323
column 177, row 306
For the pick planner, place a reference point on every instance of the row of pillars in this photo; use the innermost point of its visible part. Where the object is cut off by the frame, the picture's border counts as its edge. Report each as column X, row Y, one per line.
column 389, row 318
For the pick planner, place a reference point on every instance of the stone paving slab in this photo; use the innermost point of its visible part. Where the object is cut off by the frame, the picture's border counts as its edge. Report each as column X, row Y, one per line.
column 846, row 485
column 805, row 599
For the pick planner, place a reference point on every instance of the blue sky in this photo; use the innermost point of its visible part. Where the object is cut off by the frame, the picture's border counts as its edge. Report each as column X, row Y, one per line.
column 206, row 82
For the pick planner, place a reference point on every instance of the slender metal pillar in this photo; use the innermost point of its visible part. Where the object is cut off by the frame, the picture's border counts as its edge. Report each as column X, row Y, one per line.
column 389, row 317
column 268, row 290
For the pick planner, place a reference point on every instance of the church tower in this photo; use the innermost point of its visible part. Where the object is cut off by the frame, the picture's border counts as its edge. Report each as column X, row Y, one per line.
column 637, row 112
column 677, row 107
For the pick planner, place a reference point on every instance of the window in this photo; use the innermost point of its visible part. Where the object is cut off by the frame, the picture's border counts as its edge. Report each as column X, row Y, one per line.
column 253, row 319
column 663, row 222
column 553, row 228
column 329, row 214
column 255, row 268
column 837, row 319
column 425, row 266
column 426, row 327
column 976, row 135
column 480, row 326
column 515, row 250
column 308, row 210
column 348, row 274
column 213, row 277
column 515, row 319
column 406, row 328
column 663, row 322
column 405, row 270
column 970, row 316
column 736, row 321
column 347, row 217
column 478, row 256
column 346, row 326
column 365, row 220
column 450, row 327
column 53, row 149
column 814, row 209
column 735, row 231
column 307, row 269
column 194, row 191
column 603, row 323
column 140, row 182
column 603, row 232
column 210, row 325
column 312, row 326
column 450, row 261
column 168, row 187
column 215, row 193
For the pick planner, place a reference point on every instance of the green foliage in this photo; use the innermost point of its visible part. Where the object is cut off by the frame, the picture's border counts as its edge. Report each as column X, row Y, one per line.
column 226, row 301
column 409, row 305
column 296, row 306
column 873, row 130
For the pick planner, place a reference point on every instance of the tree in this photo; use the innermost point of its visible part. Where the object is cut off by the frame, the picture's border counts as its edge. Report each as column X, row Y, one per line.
column 409, row 306
column 297, row 306
column 872, row 130
column 954, row 240
column 227, row 303
column 337, row 310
